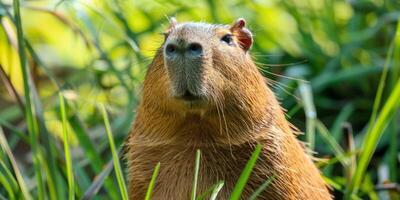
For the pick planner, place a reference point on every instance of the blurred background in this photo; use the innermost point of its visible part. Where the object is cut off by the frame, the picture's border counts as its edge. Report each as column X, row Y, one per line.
column 333, row 64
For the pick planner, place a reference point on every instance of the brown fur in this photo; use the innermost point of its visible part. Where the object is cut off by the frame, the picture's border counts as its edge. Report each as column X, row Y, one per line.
column 241, row 111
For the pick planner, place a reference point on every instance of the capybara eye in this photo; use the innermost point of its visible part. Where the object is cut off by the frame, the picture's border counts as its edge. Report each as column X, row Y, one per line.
column 227, row 39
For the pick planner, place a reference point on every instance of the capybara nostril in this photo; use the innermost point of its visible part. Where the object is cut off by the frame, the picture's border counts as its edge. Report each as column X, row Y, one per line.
column 170, row 49
column 195, row 49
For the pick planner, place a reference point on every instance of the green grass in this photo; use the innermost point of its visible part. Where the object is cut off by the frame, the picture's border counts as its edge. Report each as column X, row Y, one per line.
column 196, row 175
column 373, row 136
column 117, row 166
column 30, row 117
column 70, row 173
column 216, row 190
column 341, row 58
column 19, row 178
column 309, row 110
column 152, row 181
column 377, row 125
column 241, row 183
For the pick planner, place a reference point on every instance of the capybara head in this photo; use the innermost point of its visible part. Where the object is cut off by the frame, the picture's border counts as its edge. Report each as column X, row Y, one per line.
column 202, row 66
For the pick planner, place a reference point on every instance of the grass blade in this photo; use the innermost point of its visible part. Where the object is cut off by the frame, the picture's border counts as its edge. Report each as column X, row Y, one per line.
column 209, row 191
column 152, row 181
column 381, row 86
column 350, row 145
column 117, row 166
column 7, row 186
column 330, row 140
column 262, row 188
column 29, row 110
column 96, row 162
column 237, row 190
column 53, row 178
column 372, row 139
column 311, row 114
column 20, row 179
column 342, row 117
column 373, row 134
column 70, row 174
column 394, row 143
column 332, row 183
column 8, row 173
column 98, row 181
column 216, row 190
column 196, row 174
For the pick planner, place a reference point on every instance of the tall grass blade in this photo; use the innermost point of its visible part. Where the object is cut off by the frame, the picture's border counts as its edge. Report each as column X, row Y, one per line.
column 373, row 135
column 7, row 186
column 117, row 166
column 53, row 177
column 336, row 128
column 9, row 175
column 20, row 179
column 196, row 175
column 7, row 179
column 330, row 140
column 152, row 182
column 372, row 139
column 98, row 181
column 311, row 114
column 393, row 152
column 95, row 161
column 381, row 86
column 29, row 109
column 68, row 161
column 237, row 190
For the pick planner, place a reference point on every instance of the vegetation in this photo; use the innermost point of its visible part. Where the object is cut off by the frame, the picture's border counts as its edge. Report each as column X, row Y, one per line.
column 67, row 67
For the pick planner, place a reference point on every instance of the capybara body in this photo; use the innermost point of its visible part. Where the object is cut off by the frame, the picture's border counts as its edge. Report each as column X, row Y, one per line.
column 203, row 91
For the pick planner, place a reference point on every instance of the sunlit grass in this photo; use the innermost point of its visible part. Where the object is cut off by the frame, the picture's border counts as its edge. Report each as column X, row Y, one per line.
column 373, row 136
column 241, row 183
column 68, row 160
column 19, row 178
column 30, row 117
column 152, row 182
column 117, row 166
column 377, row 125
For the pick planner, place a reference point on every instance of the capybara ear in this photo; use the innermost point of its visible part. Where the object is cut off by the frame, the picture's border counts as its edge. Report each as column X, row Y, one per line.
column 172, row 23
column 243, row 35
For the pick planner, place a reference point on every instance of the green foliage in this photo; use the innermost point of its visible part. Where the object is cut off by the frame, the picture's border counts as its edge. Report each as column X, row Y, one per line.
column 336, row 60
column 70, row 173
column 244, row 176
column 196, row 175
column 152, row 181
column 115, row 157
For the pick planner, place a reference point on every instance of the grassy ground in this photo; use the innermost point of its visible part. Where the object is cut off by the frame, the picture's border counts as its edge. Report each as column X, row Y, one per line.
column 71, row 72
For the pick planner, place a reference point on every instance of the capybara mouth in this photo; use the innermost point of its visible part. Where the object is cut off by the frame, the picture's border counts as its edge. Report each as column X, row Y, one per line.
column 188, row 96
column 191, row 100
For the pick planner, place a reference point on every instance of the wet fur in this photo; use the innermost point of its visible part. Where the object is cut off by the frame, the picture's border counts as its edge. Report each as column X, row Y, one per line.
column 243, row 111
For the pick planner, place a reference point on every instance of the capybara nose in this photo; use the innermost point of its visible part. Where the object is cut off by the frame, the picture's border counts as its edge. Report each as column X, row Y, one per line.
column 192, row 49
